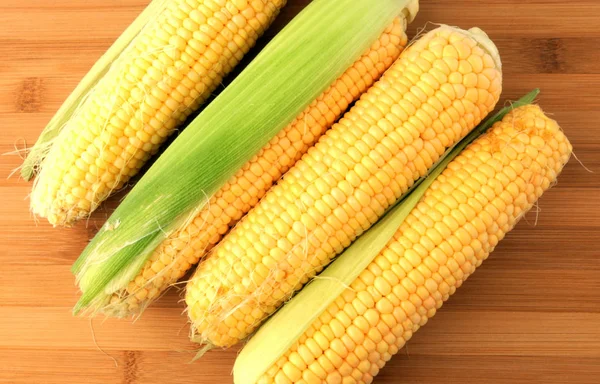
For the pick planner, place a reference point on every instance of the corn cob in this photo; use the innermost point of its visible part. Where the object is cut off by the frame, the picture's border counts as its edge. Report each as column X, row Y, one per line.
column 463, row 215
column 439, row 89
column 175, row 256
column 167, row 72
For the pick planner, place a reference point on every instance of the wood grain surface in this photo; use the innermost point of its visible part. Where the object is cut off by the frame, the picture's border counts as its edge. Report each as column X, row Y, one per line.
column 531, row 314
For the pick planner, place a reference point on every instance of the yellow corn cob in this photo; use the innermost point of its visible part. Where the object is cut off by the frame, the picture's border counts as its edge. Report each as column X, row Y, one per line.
column 171, row 68
column 461, row 218
column 175, row 256
column 439, row 89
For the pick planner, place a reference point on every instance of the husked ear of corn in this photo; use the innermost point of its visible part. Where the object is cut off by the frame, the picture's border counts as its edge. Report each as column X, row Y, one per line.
column 175, row 61
column 182, row 249
column 297, row 66
column 440, row 88
column 445, row 236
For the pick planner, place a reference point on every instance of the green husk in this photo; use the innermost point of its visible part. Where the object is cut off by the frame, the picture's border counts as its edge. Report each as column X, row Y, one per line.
column 284, row 328
column 307, row 56
column 99, row 69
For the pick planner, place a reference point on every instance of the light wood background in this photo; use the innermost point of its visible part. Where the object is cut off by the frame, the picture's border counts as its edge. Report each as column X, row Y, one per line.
column 531, row 314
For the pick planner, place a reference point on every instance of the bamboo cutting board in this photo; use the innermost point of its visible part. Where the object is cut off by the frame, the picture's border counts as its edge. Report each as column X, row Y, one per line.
column 531, row 314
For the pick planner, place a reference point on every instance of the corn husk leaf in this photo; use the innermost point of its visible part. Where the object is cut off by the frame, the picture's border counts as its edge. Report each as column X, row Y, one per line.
column 290, row 72
column 99, row 69
column 284, row 328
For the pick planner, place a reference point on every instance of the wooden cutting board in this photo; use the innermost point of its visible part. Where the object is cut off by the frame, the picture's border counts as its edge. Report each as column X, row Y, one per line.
column 531, row 314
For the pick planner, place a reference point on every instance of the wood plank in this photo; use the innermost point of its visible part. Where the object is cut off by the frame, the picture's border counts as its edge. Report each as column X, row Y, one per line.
column 94, row 367
column 51, row 367
column 484, row 369
column 507, row 333
column 157, row 330
column 530, row 18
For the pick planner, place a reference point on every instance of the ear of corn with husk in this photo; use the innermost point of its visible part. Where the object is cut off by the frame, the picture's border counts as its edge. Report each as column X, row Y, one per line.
column 40, row 149
column 157, row 73
column 307, row 56
column 369, row 302
column 440, row 88
column 184, row 247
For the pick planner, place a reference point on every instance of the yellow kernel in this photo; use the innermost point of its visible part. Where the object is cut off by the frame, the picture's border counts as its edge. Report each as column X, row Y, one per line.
column 281, row 378
column 384, row 306
column 292, row 372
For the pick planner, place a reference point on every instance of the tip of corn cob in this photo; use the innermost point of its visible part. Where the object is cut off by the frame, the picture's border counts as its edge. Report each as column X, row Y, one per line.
column 482, row 40
column 486, row 43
